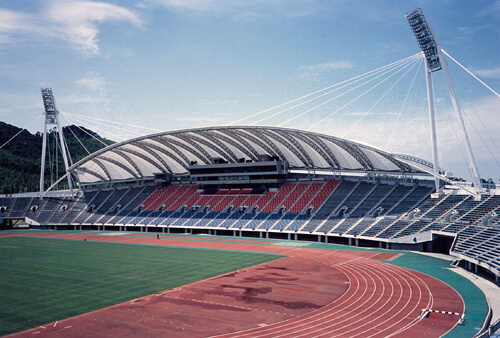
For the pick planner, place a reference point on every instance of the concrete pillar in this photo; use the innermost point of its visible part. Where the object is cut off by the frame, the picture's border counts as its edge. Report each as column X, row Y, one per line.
column 142, row 230
column 215, row 232
column 350, row 241
column 162, row 230
column 168, row 230
column 356, row 242
column 55, row 227
column 74, row 227
column 267, row 234
column 475, row 268
column 241, row 233
column 295, row 236
column 234, row 233
column 260, row 234
column 103, row 228
column 319, row 238
column 380, row 244
column 326, row 239
column 289, row 236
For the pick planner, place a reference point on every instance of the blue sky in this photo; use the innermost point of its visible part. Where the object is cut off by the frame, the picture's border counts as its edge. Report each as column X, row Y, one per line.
column 172, row 64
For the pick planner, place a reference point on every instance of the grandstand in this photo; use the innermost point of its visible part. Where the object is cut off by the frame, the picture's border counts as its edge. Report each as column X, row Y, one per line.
column 269, row 183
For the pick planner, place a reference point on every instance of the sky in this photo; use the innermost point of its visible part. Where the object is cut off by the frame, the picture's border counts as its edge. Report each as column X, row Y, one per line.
column 175, row 64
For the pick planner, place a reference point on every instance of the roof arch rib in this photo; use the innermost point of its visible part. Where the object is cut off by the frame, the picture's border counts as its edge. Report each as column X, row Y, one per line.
column 119, row 164
column 192, row 150
column 297, row 149
column 206, row 156
column 214, row 139
column 129, row 160
column 246, row 145
column 218, row 150
column 93, row 173
column 238, row 146
column 175, row 150
column 354, row 152
column 145, row 158
column 103, row 167
column 182, row 163
column 277, row 152
column 401, row 165
column 144, row 146
column 320, row 147
column 257, row 142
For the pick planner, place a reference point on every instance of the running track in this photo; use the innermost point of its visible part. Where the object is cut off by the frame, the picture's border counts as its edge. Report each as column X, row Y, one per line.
column 381, row 300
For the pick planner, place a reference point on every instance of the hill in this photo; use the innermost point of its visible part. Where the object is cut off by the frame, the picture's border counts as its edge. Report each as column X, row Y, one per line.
column 20, row 158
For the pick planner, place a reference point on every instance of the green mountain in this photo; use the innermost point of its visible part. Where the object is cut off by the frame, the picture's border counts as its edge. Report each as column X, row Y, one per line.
column 20, row 158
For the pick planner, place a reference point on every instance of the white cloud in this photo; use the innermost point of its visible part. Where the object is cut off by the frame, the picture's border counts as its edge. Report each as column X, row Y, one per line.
column 92, row 80
column 317, row 69
column 76, row 22
column 248, row 9
column 493, row 73
column 73, row 21
column 11, row 21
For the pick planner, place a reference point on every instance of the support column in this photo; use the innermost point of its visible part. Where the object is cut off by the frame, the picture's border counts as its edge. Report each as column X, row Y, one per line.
column 319, row 238
column 432, row 120
column 350, row 241
column 289, row 236
column 267, row 234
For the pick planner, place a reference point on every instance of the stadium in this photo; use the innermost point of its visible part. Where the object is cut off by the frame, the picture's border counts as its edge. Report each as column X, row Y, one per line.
column 330, row 218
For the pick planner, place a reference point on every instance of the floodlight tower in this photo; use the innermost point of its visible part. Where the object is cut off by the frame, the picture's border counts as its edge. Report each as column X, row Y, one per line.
column 52, row 118
column 434, row 61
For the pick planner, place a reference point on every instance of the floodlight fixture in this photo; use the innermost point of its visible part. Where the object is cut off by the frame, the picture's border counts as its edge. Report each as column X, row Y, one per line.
column 423, row 33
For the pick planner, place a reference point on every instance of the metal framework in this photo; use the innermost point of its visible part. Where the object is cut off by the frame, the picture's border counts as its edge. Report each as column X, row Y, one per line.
column 52, row 118
column 174, row 151
column 434, row 61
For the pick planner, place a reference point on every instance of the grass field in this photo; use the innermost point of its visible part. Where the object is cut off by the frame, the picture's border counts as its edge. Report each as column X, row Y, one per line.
column 44, row 280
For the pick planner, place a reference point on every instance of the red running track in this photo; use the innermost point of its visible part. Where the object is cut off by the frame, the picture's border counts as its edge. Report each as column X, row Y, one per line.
column 380, row 300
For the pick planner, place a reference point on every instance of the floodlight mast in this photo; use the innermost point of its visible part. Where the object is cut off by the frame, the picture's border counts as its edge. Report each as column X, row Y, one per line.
column 434, row 61
column 52, row 118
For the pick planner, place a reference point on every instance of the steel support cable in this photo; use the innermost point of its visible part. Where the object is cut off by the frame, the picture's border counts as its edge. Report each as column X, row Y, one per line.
column 347, row 104
column 355, row 99
column 71, row 131
column 96, row 128
column 455, row 133
column 103, row 120
column 487, row 131
column 482, row 140
column 107, row 125
column 404, row 103
column 468, row 71
column 346, row 92
column 380, row 99
column 20, row 131
column 86, row 132
column 324, row 94
column 321, row 90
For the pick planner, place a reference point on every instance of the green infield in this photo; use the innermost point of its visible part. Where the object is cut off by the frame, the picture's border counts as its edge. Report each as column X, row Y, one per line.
column 44, row 280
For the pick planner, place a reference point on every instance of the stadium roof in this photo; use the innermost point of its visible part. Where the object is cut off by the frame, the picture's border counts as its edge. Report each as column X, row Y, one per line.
column 172, row 152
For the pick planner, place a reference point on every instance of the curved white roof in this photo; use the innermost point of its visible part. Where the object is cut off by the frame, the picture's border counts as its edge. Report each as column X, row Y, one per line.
column 173, row 151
